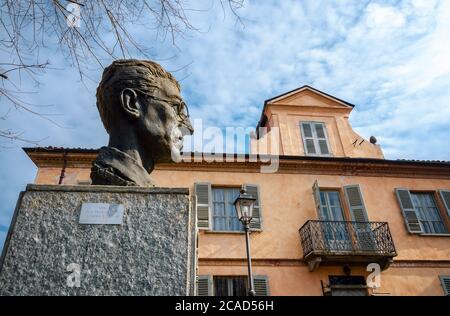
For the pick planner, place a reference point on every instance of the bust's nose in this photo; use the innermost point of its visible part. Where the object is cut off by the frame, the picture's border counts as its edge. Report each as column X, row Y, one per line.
column 186, row 127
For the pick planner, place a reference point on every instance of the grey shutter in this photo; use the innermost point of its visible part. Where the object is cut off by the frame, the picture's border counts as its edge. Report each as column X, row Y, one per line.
column 321, row 138
column 445, row 282
column 203, row 204
column 355, row 202
column 365, row 239
column 261, row 283
column 256, row 223
column 409, row 213
column 445, row 196
column 204, row 285
column 308, row 138
column 316, row 194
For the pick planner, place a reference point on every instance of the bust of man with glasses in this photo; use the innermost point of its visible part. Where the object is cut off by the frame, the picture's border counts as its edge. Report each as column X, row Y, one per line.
column 142, row 111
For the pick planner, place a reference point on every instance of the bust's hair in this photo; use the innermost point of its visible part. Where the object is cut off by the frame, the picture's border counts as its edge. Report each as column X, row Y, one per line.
column 127, row 73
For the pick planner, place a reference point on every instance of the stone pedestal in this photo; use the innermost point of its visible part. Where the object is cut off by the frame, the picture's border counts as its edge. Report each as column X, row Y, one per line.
column 47, row 251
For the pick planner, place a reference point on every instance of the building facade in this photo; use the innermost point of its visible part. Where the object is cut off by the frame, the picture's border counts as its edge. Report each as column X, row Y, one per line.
column 333, row 214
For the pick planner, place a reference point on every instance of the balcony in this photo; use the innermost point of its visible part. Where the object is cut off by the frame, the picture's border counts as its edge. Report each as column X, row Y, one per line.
column 347, row 242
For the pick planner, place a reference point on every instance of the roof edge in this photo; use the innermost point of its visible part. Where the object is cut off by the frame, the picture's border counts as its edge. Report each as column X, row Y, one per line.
column 254, row 157
column 296, row 89
column 313, row 89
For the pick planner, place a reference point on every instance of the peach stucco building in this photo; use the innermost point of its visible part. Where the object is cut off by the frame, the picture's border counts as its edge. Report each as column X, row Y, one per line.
column 332, row 213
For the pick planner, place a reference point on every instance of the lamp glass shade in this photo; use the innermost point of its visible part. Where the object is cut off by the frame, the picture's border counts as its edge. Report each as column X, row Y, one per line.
column 244, row 206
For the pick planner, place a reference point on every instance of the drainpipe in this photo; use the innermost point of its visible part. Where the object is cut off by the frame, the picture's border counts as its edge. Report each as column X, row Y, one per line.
column 63, row 169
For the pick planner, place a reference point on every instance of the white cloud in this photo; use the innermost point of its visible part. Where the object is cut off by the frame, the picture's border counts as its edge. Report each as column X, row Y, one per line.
column 384, row 17
column 387, row 59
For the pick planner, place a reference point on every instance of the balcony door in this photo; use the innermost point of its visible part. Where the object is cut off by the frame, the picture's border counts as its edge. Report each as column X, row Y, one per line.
column 335, row 230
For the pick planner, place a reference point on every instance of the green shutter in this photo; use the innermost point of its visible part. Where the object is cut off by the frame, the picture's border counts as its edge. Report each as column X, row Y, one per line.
column 307, row 130
column 355, row 202
column 204, row 285
column 261, row 283
column 316, row 195
column 308, row 139
column 321, row 138
column 445, row 196
column 409, row 213
column 365, row 239
column 203, row 204
column 256, row 223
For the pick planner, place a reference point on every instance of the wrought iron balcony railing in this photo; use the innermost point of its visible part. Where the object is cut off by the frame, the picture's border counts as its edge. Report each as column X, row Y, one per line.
column 346, row 241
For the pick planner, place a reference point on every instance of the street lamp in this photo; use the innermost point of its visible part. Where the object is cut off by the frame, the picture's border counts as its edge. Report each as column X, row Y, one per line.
column 244, row 208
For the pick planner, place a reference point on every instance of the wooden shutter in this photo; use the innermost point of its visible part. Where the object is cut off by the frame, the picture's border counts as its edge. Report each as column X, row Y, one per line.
column 445, row 196
column 308, row 138
column 321, row 139
column 203, row 204
column 316, row 194
column 365, row 239
column 256, row 223
column 204, row 285
column 261, row 283
column 355, row 202
column 409, row 213
column 445, row 282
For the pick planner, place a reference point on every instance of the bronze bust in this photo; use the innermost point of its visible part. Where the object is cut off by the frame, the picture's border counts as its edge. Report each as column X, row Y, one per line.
column 146, row 118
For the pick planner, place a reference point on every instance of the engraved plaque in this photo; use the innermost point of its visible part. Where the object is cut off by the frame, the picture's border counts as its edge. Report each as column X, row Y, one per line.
column 101, row 214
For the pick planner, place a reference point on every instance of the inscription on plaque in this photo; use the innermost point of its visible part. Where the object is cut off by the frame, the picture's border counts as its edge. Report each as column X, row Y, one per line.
column 101, row 214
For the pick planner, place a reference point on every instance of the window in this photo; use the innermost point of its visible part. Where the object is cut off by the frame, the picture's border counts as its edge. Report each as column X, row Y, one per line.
column 224, row 213
column 336, row 235
column 208, row 285
column 428, row 213
column 347, row 286
column 420, row 211
column 330, row 206
column 315, row 140
column 215, row 209
column 230, row 286
column 445, row 282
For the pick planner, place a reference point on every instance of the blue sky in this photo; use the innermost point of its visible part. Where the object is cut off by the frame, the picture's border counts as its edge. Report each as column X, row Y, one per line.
column 390, row 58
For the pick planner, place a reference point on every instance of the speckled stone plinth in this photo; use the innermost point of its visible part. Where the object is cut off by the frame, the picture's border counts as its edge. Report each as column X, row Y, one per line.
column 151, row 253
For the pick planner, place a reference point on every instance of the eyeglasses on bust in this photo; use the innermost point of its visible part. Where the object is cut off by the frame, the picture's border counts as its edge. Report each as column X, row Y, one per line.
column 180, row 107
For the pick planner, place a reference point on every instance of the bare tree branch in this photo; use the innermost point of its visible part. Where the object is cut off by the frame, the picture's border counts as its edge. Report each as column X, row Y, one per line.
column 106, row 32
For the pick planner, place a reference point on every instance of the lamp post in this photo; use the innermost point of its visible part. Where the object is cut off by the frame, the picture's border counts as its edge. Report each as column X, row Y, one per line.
column 244, row 208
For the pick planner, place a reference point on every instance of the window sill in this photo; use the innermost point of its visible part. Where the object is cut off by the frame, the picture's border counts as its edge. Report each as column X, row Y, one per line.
column 312, row 155
column 230, row 232
column 435, row 235
column 223, row 232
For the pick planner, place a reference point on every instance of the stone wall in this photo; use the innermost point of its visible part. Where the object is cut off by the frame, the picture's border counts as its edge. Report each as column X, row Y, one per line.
column 151, row 253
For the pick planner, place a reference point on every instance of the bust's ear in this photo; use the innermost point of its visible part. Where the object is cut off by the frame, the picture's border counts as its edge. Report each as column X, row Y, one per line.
column 129, row 102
